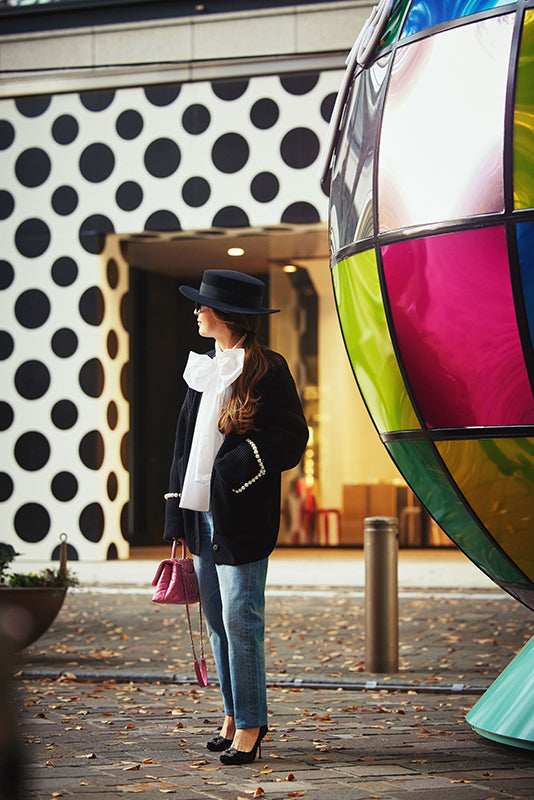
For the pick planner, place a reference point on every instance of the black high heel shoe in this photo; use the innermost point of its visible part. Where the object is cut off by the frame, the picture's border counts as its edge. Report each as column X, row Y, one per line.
column 233, row 756
column 218, row 744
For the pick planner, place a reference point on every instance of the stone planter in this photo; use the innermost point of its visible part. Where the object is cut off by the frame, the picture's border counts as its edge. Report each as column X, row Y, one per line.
column 26, row 613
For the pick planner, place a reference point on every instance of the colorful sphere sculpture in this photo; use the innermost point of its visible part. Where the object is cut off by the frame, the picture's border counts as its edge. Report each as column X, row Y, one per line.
column 432, row 244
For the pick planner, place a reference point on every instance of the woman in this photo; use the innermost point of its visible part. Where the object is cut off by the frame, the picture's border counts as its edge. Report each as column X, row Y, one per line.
column 240, row 426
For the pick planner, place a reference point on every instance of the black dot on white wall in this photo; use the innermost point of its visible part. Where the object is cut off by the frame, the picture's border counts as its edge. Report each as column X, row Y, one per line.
column 196, row 191
column 93, row 232
column 33, row 106
column 7, row 415
column 300, row 147
column 162, row 95
column 32, row 451
column 7, row 345
column 129, row 196
column 91, row 450
column 196, row 119
column 327, row 106
column 229, row 90
column 6, row 487
column 264, row 187
column 7, row 204
column 92, row 306
column 64, row 271
column 32, row 308
column 32, row 237
column 129, row 124
column 264, row 113
column 162, row 157
column 300, row 214
column 92, row 522
column 112, row 415
column 64, row 486
column 32, row 379
column 301, row 83
column 96, row 100
column 163, row 220
column 65, row 129
column 7, row 134
column 72, row 553
column 64, row 414
column 32, row 522
column 231, row 217
column 64, row 200
column 6, row 274
column 91, row 377
column 112, row 273
column 112, row 343
column 230, row 152
column 64, row 342
column 32, row 167
column 112, row 486
column 97, row 162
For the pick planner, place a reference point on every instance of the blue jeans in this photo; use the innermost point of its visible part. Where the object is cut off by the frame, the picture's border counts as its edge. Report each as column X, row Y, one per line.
column 233, row 604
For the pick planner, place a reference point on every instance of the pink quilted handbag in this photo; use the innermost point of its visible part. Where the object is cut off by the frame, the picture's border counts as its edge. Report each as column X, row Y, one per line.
column 175, row 580
column 176, row 583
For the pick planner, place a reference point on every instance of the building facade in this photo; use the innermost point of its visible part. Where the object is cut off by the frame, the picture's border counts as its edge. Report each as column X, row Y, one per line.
column 132, row 157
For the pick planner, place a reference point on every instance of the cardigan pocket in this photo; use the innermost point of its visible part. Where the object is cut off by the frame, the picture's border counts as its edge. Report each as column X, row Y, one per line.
column 252, row 508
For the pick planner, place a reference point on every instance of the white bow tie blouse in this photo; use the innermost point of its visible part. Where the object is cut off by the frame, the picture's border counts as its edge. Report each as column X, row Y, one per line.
column 213, row 377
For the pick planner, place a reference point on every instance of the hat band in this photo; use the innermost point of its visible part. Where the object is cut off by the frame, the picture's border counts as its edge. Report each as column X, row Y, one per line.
column 228, row 296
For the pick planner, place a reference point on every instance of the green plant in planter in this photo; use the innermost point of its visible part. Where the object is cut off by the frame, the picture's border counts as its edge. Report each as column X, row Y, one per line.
column 55, row 578
column 29, row 602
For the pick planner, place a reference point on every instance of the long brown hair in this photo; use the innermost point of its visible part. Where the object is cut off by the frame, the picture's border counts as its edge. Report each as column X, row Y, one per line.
column 237, row 414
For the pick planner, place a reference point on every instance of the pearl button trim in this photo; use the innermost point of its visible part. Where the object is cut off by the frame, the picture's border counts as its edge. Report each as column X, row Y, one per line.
column 260, row 474
column 170, row 495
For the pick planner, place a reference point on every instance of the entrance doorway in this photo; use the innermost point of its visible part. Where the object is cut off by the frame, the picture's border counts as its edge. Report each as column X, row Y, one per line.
column 163, row 330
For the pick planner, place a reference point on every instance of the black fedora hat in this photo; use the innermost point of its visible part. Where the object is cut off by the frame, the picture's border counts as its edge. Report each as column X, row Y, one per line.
column 227, row 290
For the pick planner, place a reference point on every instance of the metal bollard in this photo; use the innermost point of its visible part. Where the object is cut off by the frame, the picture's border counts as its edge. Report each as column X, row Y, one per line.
column 381, row 545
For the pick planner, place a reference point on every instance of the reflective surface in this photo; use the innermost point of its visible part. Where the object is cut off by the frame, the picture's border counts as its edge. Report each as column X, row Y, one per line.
column 368, row 343
column 441, row 149
column 352, row 177
column 525, row 247
column 394, row 22
column 426, row 13
column 417, row 461
column 524, row 119
column 453, row 312
column 503, row 470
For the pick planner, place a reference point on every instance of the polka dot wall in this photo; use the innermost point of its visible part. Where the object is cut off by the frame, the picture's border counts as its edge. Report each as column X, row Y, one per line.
column 75, row 167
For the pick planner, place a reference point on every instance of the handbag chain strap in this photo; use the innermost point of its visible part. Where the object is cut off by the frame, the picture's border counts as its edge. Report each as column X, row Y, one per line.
column 200, row 670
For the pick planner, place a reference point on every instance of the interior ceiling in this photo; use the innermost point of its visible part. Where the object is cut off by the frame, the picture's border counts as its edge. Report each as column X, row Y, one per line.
column 188, row 252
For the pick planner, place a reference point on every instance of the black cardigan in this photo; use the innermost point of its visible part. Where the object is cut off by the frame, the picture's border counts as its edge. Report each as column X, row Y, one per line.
column 245, row 522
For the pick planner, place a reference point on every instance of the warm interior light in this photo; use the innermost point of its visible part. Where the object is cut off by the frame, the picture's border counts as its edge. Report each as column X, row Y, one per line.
column 290, row 268
column 235, row 251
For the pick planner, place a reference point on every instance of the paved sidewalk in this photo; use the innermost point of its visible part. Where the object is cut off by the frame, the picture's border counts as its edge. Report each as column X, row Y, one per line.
column 106, row 705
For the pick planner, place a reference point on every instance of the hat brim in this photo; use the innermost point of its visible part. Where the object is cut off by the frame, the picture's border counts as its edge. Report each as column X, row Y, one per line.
column 197, row 297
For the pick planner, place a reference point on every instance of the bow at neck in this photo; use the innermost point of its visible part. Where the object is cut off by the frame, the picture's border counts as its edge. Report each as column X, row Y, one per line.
column 203, row 372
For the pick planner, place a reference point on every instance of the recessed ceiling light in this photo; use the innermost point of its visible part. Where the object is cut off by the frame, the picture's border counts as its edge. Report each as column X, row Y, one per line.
column 290, row 268
column 235, row 251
